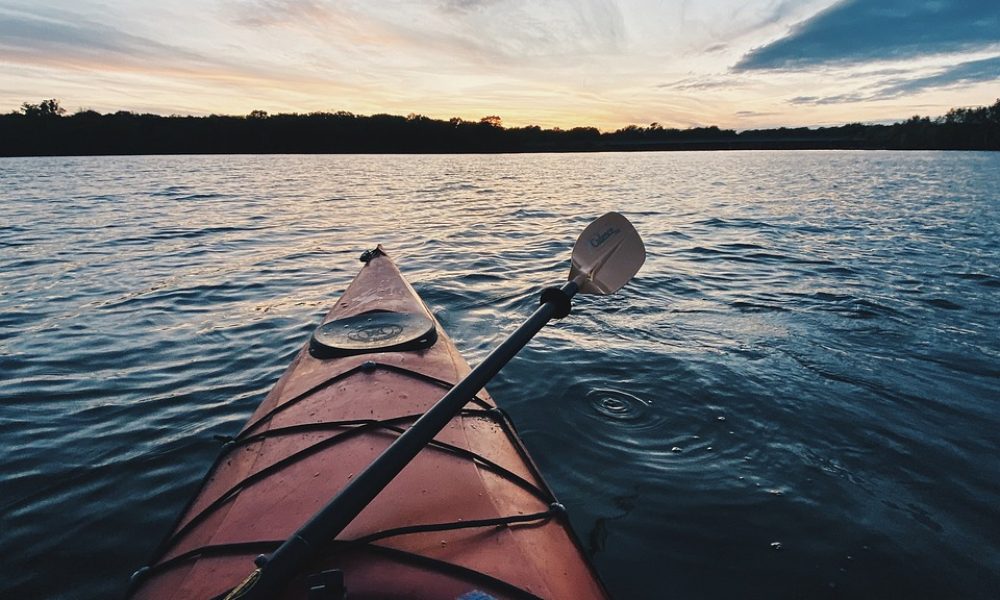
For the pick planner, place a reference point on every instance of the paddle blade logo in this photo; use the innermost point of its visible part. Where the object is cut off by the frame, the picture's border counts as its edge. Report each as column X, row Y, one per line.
column 596, row 241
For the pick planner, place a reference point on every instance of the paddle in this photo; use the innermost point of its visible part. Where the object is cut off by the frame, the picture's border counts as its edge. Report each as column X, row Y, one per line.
column 606, row 256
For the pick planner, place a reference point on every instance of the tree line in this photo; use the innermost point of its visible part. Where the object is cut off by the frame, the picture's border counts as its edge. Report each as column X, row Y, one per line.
column 44, row 129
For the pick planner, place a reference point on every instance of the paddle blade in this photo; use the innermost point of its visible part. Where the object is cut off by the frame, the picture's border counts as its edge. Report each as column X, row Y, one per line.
column 607, row 255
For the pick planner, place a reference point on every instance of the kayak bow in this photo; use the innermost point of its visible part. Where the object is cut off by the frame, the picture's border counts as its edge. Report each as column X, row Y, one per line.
column 469, row 518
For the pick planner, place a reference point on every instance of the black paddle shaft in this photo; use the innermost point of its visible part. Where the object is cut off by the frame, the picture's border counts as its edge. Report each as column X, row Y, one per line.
column 325, row 525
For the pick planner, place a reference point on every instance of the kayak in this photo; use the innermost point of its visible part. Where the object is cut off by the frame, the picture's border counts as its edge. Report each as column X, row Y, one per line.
column 470, row 518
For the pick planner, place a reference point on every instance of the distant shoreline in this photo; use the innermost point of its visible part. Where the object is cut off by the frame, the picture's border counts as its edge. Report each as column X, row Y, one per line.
column 41, row 130
column 490, row 152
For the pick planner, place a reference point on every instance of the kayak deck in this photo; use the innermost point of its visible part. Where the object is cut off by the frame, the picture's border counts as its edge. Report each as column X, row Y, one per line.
column 469, row 515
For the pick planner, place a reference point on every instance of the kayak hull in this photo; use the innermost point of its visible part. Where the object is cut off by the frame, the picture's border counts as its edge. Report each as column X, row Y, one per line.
column 469, row 515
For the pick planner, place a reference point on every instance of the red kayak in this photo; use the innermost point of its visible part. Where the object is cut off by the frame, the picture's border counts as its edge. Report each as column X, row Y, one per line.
column 469, row 518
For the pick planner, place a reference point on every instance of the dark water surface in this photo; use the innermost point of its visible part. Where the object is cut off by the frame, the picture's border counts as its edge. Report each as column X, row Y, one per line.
column 797, row 397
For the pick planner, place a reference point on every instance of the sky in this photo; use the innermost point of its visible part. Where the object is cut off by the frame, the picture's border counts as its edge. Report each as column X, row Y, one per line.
column 556, row 63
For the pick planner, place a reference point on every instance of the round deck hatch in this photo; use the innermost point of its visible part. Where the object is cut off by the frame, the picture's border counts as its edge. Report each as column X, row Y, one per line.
column 376, row 331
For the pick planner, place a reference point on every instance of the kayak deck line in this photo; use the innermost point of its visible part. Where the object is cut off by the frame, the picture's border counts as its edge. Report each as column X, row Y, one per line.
column 366, row 366
column 355, row 428
column 472, row 509
column 262, row 547
column 246, row 437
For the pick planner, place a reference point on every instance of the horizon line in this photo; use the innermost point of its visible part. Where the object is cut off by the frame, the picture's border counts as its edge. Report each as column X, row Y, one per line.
column 262, row 114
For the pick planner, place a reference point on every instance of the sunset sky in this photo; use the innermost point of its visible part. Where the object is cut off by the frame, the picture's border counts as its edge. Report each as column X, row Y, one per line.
column 607, row 63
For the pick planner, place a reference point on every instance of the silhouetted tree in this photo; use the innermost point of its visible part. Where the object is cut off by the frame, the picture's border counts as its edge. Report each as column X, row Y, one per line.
column 47, row 108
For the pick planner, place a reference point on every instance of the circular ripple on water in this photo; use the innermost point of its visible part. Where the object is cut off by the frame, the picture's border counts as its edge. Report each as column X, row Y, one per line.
column 602, row 423
column 619, row 406
column 620, row 418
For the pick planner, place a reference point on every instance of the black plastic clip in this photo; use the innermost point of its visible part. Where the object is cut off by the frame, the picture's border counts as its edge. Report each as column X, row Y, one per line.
column 367, row 255
column 560, row 299
column 138, row 576
column 328, row 585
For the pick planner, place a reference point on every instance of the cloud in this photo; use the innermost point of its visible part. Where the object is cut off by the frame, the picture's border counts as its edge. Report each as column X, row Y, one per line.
column 40, row 35
column 754, row 113
column 475, row 30
column 823, row 100
column 962, row 74
column 462, row 6
column 519, row 30
column 969, row 72
column 704, row 82
column 855, row 31
column 66, row 42
column 266, row 13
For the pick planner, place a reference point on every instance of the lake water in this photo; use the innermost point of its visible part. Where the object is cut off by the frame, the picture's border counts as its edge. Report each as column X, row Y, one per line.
column 796, row 398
